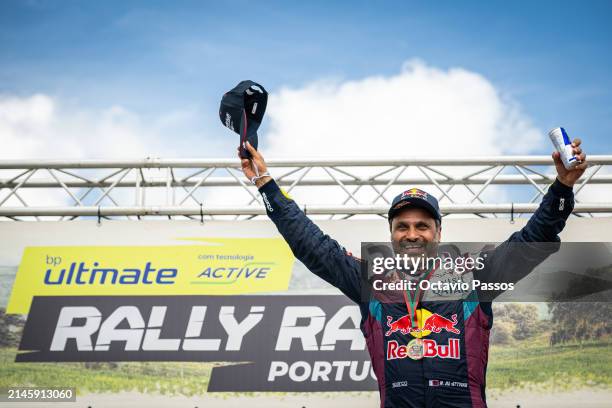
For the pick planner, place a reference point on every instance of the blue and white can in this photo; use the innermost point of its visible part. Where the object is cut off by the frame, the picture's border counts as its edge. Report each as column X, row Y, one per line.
column 563, row 145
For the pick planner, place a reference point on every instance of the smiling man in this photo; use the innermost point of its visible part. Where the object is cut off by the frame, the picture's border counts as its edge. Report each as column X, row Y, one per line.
column 424, row 353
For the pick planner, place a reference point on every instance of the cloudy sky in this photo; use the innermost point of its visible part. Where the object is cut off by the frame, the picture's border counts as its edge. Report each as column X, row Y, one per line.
column 131, row 79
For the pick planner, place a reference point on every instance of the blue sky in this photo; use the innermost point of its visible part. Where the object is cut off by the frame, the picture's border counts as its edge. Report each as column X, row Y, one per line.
column 553, row 58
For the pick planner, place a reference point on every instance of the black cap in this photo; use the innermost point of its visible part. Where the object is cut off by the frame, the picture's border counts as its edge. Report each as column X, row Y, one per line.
column 242, row 110
column 415, row 198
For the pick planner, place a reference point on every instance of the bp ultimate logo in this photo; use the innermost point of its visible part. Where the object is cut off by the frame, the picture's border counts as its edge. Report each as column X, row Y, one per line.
column 228, row 266
column 83, row 273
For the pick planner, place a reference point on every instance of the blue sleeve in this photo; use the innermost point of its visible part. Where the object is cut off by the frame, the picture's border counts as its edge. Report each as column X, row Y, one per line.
column 321, row 254
column 523, row 251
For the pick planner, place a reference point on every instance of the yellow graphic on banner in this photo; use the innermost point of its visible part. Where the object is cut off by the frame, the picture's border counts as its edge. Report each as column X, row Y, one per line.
column 226, row 266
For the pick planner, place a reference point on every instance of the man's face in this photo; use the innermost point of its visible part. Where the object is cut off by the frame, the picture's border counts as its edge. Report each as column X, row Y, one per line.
column 413, row 230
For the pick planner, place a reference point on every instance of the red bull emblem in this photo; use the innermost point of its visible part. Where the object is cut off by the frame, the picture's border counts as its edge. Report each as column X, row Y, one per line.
column 430, row 349
column 436, row 323
column 415, row 192
column 402, row 325
column 433, row 323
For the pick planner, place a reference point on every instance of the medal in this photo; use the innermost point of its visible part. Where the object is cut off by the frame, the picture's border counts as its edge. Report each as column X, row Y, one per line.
column 415, row 349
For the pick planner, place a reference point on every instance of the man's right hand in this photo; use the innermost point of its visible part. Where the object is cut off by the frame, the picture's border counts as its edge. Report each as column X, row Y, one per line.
column 255, row 162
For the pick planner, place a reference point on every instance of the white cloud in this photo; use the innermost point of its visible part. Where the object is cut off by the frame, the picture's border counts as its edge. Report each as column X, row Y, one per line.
column 39, row 127
column 421, row 111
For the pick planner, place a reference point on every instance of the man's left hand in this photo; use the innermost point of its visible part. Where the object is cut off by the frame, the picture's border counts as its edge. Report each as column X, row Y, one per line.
column 569, row 177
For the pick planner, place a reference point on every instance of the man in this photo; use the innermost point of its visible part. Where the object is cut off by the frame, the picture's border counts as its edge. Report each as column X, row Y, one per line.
column 442, row 361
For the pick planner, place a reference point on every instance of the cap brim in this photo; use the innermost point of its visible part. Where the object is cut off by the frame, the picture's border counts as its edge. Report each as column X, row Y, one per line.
column 251, row 133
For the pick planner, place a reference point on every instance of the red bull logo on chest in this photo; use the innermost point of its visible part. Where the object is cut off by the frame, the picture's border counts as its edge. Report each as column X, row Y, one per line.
column 426, row 323
column 430, row 349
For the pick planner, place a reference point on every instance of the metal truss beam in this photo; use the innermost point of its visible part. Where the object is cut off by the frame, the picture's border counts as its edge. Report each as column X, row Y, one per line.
column 150, row 163
column 247, row 210
column 125, row 188
column 510, row 179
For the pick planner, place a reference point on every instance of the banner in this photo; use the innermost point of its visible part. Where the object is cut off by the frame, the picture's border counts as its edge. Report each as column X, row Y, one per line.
column 286, row 343
column 213, row 266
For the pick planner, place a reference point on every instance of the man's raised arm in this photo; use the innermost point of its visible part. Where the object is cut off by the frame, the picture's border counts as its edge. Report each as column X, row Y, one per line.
column 321, row 254
column 516, row 257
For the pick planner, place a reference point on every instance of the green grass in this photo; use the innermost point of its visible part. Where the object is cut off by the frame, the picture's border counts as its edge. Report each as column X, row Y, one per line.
column 530, row 364
column 172, row 378
column 533, row 363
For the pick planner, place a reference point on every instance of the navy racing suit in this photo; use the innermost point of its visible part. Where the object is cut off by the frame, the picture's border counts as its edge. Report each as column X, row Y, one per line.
column 452, row 372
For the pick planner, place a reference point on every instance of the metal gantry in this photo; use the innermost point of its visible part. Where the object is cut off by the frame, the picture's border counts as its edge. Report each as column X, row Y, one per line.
column 345, row 187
